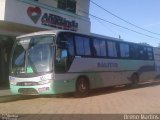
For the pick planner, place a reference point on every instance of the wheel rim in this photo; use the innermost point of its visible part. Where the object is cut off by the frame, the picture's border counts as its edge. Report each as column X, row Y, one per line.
column 82, row 85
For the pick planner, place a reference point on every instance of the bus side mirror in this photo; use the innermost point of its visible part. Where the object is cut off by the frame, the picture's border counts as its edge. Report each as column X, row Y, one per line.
column 63, row 44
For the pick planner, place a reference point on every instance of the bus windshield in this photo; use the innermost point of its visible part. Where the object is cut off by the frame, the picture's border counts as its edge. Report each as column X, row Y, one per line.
column 32, row 55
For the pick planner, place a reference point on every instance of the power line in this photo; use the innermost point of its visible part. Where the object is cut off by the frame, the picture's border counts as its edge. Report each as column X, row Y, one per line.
column 124, row 27
column 123, row 19
column 107, row 27
column 120, row 25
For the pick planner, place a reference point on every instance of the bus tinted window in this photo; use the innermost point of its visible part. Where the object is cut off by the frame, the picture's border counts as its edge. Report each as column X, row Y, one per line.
column 65, row 40
column 150, row 53
column 142, row 53
column 134, row 52
column 82, row 46
column 99, row 47
column 70, row 45
column 124, row 50
column 112, row 50
column 102, row 45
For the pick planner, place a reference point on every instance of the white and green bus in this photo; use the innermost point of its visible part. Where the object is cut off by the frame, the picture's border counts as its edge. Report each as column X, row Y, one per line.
column 54, row 62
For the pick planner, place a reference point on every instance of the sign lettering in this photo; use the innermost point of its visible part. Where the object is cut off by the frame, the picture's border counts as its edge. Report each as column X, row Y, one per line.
column 58, row 22
column 107, row 65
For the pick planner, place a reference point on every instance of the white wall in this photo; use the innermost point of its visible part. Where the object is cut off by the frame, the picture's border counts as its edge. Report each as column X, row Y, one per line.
column 17, row 12
column 82, row 7
column 2, row 9
column 52, row 3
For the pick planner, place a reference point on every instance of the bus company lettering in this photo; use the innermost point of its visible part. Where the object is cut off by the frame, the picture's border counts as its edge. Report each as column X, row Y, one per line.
column 59, row 22
column 107, row 65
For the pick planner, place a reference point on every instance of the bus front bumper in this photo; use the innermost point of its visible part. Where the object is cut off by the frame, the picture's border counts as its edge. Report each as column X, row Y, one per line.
column 55, row 87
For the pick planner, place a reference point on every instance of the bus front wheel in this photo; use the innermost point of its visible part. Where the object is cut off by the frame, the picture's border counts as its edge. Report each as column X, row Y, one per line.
column 82, row 87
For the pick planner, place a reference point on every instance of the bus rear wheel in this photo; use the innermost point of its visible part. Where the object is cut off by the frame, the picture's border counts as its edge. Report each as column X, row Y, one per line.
column 135, row 80
column 82, row 87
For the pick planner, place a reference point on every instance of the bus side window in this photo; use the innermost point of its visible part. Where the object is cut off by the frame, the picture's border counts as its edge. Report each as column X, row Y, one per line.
column 134, row 51
column 99, row 48
column 112, row 50
column 143, row 53
column 124, row 50
column 82, row 46
column 150, row 53
column 61, row 61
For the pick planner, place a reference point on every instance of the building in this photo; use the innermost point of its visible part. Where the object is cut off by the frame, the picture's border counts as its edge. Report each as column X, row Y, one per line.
column 25, row 16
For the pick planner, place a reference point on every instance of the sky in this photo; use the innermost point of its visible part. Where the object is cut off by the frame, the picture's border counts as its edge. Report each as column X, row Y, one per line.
column 143, row 13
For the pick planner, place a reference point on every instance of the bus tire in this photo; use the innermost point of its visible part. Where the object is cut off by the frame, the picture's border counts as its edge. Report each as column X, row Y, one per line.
column 82, row 87
column 134, row 80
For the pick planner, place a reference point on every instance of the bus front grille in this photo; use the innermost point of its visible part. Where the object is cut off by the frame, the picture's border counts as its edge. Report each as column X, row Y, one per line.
column 27, row 91
column 27, row 83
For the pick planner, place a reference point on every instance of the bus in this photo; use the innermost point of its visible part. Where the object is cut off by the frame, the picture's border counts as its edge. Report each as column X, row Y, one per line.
column 59, row 61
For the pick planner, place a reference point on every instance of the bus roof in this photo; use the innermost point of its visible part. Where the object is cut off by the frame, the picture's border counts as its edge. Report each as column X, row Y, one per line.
column 54, row 32
column 105, row 37
column 47, row 32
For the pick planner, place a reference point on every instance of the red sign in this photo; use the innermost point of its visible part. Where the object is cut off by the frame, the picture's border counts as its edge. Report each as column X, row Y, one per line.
column 34, row 13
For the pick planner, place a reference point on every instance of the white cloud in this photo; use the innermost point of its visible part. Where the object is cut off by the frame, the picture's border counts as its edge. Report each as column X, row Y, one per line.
column 152, row 25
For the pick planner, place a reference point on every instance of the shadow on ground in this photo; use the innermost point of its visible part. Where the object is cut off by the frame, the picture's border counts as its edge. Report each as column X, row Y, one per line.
column 121, row 88
column 95, row 92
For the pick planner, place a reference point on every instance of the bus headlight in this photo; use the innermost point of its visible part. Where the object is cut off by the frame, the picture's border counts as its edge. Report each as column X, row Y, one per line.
column 12, row 82
column 44, row 82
